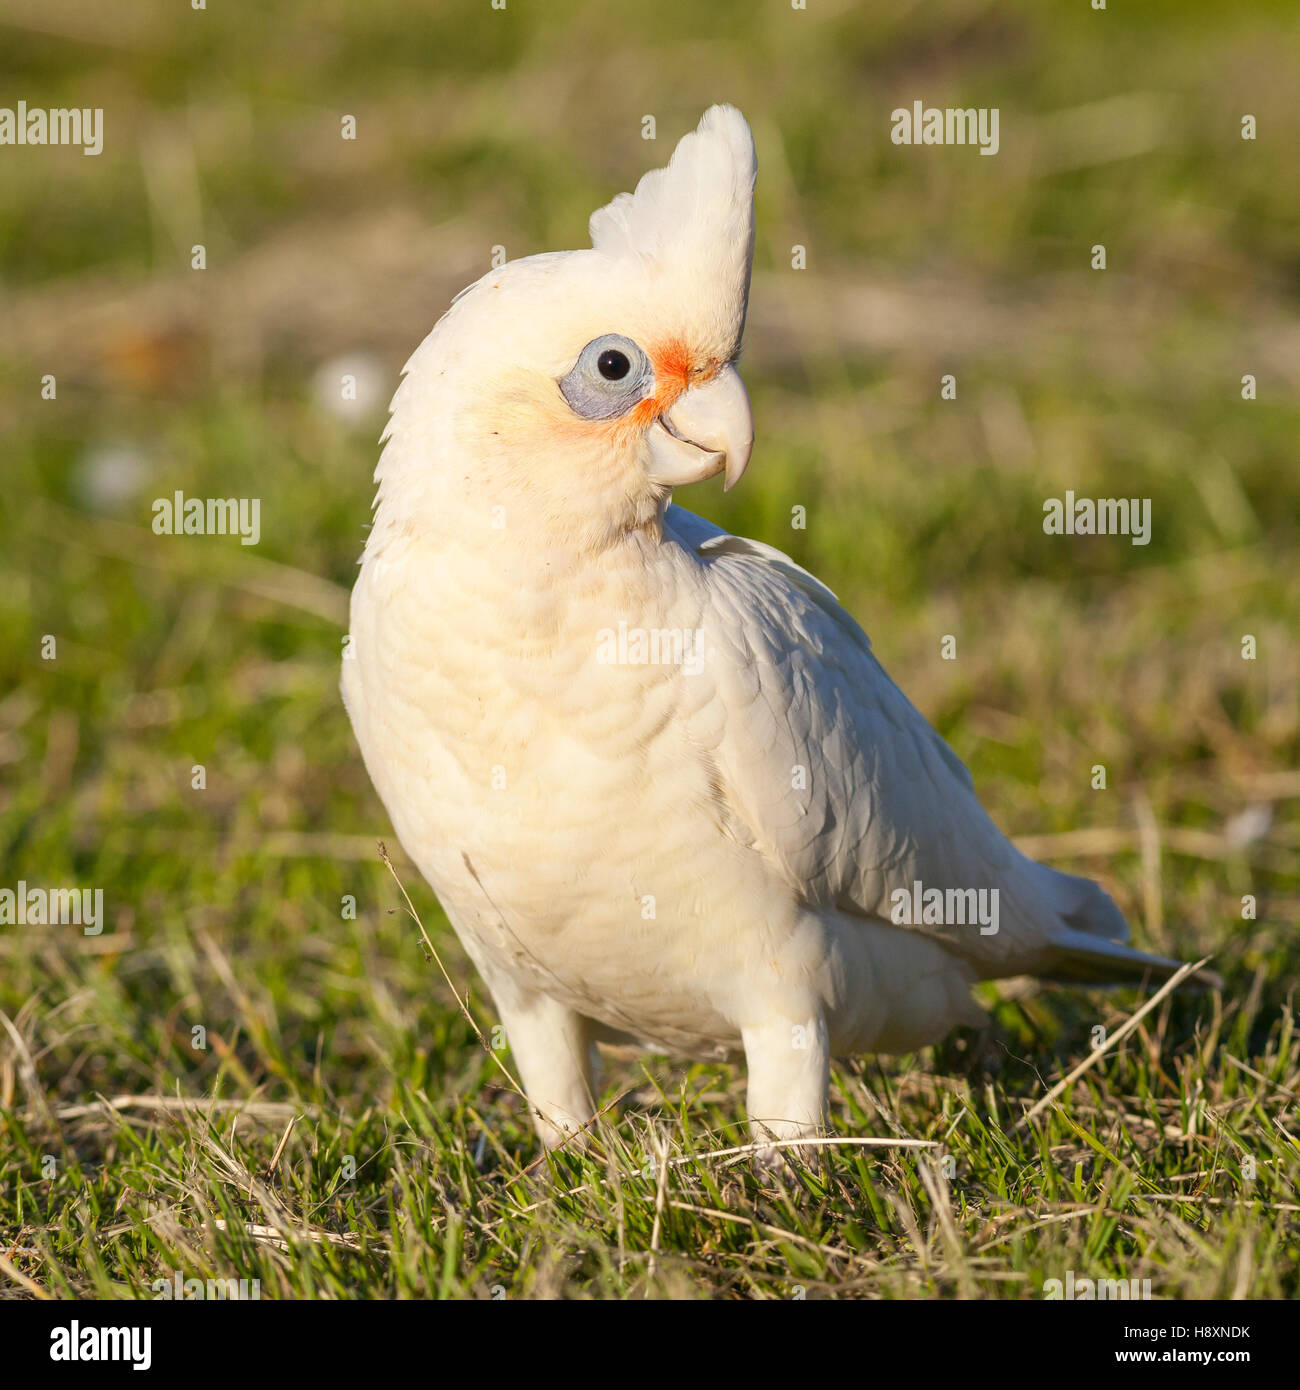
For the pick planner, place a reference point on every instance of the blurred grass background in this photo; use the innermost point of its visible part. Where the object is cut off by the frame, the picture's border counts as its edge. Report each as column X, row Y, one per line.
column 478, row 128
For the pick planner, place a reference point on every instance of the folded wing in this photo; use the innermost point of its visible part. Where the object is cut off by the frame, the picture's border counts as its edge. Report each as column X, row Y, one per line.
column 839, row 780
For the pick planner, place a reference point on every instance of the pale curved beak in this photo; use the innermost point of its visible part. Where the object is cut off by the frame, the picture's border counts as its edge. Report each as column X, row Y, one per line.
column 708, row 429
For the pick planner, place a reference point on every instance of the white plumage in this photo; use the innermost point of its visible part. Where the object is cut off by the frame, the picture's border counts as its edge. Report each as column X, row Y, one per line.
column 697, row 853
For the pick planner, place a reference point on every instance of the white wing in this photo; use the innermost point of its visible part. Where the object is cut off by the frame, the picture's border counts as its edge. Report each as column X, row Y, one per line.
column 836, row 777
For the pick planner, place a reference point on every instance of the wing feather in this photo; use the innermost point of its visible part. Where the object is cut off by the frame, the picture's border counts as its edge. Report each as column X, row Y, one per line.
column 841, row 781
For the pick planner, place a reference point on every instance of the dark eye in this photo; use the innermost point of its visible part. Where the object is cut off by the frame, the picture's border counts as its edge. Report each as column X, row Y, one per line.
column 610, row 376
column 613, row 364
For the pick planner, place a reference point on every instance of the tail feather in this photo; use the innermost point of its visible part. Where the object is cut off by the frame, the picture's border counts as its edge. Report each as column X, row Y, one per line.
column 1082, row 904
column 1091, row 946
column 1083, row 959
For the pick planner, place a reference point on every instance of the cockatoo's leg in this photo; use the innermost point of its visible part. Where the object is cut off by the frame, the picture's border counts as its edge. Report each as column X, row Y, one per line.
column 551, row 1048
column 789, row 1071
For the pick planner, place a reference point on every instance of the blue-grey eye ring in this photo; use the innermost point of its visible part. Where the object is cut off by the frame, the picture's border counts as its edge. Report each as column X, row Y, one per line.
column 610, row 376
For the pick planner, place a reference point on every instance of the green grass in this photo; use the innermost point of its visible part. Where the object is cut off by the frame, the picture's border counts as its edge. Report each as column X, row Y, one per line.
column 341, row 1097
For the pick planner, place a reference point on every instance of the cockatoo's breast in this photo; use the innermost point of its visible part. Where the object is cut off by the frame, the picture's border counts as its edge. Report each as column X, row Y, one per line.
column 538, row 732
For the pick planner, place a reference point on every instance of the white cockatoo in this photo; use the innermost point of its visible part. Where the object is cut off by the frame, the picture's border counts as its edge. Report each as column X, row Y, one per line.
column 657, row 778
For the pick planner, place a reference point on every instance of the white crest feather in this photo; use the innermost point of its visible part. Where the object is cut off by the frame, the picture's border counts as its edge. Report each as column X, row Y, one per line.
column 694, row 219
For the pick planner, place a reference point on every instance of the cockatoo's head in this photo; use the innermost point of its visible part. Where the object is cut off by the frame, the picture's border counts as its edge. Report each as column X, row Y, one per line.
column 579, row 388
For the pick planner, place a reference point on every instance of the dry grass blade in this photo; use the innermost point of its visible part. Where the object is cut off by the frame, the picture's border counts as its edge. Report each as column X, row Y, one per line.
column 284, row 1238
column 11, row 1271
column 283, row 1144
column 461, row 1004
column 742, row 1150
column 1258, row 1075
column 1117, row 1036
column 661, row 1193
column 252, row 1109
column 28, row 1071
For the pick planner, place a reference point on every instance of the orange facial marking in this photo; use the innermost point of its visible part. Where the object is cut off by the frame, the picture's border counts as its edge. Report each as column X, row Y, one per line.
column 676, row 370
column 646, row 412
column 672, row 362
